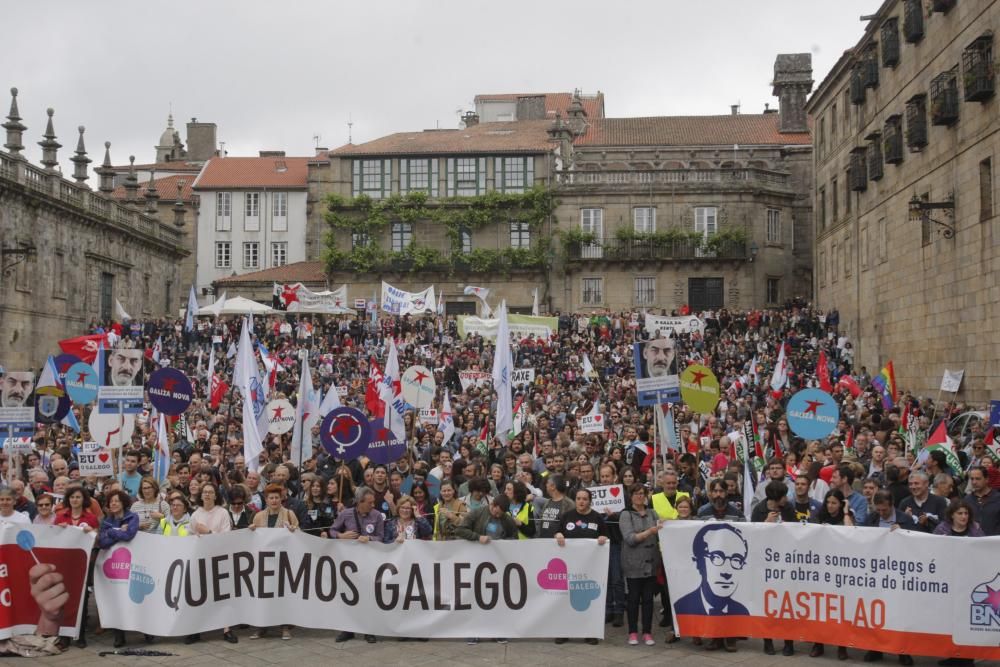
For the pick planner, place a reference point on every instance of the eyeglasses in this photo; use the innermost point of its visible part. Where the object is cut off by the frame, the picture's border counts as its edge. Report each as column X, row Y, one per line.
column 44, row 505
column 717, row 558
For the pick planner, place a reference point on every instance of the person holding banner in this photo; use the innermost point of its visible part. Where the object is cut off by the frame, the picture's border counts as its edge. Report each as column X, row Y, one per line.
column 274, row 516
column 365, row 524
column 119, row 525
column 406, row 525
column 521, row 510
column 207, row 519
column 640, row 554
column 448, row 512
column 583, row 523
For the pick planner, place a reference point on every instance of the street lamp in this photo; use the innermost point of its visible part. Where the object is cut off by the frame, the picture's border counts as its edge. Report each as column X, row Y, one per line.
column 919, row 213
column 754, row 249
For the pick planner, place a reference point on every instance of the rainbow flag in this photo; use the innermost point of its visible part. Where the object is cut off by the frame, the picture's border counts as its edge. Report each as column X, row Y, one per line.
column 885, row 382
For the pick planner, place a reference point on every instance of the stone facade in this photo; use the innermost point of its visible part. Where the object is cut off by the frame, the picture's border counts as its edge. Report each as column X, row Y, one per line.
column 907, row 289
column 69, row 252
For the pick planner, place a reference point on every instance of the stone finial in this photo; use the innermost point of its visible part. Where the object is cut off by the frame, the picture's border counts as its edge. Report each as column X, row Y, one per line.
column 50, row 146
column 179, row 206
column 107, row 174
column 131, row 182
column 15, row 128
column 80, row 160
column 152, row 196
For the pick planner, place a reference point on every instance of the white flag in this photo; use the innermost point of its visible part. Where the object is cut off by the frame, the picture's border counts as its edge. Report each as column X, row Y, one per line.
column 481, row 293
column 192, row 308
column 503, row 365
column 306, row 414
column 534, row 302
column 447, row 424
column 211, row 372
column 330, row 402
column 754, row 375
column 122, row 315
column 395, row 406
column 231, row 352
column 780, row 376
column 588, row 368
column 197, row 366
column 157, row 349
column 246, row 376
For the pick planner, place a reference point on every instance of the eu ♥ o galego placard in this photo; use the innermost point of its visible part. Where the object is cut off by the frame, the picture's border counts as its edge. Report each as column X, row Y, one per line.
column 169, row 391
column 812, row 414
column 345, row 433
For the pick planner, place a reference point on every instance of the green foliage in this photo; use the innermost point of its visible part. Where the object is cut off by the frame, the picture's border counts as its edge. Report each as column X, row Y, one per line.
column 726, row 237
column 577, row 236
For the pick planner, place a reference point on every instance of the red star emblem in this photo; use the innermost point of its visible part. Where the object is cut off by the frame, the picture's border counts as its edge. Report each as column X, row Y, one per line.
column 169, row 384
column 64, row 367
column 278, row 412
column 383, row 434
column 342, row 426
column 697, row 376
column 421, row 376
column 993, row 598
column 80, row 377
column 289, row 294
column 812, row 406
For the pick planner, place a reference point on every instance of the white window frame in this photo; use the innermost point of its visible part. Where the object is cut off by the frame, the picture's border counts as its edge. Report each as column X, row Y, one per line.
column 465, row 240
column 279, row 212
column 223, row 211
column 223, row 254
column 251, row 255
column 644, row 219
column 773, row 226
column 592, row 222
column 520, row 235
column 251, row 209
column 706, row 221
column 644, row 290
column 594, row 288
column 359, row 240
column 279, row 253
column 401, row 236
column 777, row 290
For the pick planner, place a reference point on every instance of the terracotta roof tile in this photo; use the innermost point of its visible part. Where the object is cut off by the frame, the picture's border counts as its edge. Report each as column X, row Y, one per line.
column 743, row 129
column 555, row 103
column 166, row 187
column 526, row 136
column 253, row 172
column 297, row 272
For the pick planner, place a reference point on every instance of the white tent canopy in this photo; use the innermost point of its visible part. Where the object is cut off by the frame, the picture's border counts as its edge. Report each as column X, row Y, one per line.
column 235, row 306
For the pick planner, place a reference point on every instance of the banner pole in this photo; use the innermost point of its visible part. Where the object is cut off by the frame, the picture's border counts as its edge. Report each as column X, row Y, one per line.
column 10, row 457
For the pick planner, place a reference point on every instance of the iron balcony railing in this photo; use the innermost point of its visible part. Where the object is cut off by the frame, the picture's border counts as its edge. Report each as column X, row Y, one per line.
column 623, row 250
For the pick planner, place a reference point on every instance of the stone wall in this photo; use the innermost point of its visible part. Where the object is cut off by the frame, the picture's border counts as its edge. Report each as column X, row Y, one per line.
column 904, row 291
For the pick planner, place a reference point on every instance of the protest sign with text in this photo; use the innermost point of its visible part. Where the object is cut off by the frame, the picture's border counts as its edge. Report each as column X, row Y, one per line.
column 611, row 497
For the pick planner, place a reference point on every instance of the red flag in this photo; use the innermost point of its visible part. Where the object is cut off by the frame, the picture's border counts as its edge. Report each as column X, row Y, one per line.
column 989, row 437
column 219, row 389
column 849, row 440
column 823, row 373
column 848, row 383
column 372, row 399
column 84, row 347
column 778, row 453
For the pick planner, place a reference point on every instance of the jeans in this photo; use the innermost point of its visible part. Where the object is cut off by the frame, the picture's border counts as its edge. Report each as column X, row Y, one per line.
column 615, row 601
column 641, row 589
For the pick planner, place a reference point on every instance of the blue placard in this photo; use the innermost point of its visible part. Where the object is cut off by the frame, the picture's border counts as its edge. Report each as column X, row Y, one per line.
column 169, row 391
column 345, row 433
column 81, row 383
column 21, row 420
column 384, row 448
column 813, row 414
column 656, row 383
column 994, row 413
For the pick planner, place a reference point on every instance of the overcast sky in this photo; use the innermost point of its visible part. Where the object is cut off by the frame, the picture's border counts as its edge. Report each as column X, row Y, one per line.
column 274, row 74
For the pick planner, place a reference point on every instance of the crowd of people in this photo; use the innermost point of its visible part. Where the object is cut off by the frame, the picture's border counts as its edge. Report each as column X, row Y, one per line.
column 533, row 483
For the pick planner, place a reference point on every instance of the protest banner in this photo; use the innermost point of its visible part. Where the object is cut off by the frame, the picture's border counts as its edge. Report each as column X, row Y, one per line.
column 17, row 412
column 122, row 382
column 170, row 391
column 342, row 390
column 345, row 433
column 677, row 325
column 610, row 497
column 384, row 447
column 82, row 383
column 521, row 326
column 280, row 416
column 894, row 591
column 591, row 423
column 111, row 430
column 418, row 386
column 521, row 376
column 656, row 378
column 297, row 298
column 268, row 577
column 26, row 554
column 428, row 416
column 95, row 460
column 473, row 379
column 952, row 380
column 400, row 302
column 700, row 388
column 812, row 414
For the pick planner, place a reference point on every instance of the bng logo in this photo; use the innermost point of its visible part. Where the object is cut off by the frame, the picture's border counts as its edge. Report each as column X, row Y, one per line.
column 985, row 608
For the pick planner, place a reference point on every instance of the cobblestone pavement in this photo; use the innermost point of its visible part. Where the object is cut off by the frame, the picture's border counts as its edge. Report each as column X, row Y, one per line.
column 317, row 647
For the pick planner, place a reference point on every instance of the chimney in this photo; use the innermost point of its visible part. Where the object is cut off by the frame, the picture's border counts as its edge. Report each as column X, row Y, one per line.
column 734, row 109
column 201, row 141
column 792, row 83
column 530, row 107
column 470, row 118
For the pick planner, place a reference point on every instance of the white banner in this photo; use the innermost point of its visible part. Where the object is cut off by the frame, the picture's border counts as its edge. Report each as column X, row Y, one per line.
column 952, row 380
column 177, row 586
column 520, row 325
column 896, row 591
column 473, row 379
column 400, row 302
column 522, row 376
column 592, row 423
column 95, row 460
column 428, row 416
column 679, row 325
column 297, row 298
column 611, row 497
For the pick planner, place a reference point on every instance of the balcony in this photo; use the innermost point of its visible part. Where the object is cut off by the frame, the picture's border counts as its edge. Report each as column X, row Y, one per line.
column 857, row 172
column 874, row 154
column 869, row 67
column 691, row 178
column 857, row 86
column 657, row 250
column 978, row 75
column 890, row 42
column 942, row 6
column 913, row 21
column 916, row 123
column 892, row 140
column 944, row 98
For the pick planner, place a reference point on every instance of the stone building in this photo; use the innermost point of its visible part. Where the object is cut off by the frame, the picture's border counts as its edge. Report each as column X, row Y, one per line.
column 711, row 211
column 68, row 252
column 906, row 138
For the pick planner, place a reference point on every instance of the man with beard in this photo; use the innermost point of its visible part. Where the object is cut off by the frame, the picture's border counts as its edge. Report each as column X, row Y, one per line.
column 718, row 507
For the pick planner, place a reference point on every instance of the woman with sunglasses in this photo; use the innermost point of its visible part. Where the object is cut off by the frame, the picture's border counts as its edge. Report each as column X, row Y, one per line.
column 46, row 515
column 120, row 525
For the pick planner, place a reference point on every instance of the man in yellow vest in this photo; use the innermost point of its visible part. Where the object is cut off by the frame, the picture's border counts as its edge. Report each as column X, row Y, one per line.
column 663, row 505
